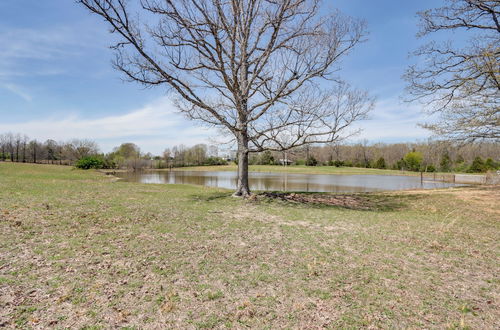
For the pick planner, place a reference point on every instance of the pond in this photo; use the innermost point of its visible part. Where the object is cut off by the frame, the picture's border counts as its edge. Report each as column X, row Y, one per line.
column 286, row 181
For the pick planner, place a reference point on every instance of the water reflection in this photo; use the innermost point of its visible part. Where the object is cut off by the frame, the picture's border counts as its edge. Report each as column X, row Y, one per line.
column 287, row 181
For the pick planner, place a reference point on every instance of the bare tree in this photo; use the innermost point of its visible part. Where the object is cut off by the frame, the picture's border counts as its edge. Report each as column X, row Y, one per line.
column 79, row 148
column 18, row 138
column 3, row 147
column 461, row 85
column 51, row 147
column 34, row 150
column 10, row 145
column 24, row 142
column 250, row 67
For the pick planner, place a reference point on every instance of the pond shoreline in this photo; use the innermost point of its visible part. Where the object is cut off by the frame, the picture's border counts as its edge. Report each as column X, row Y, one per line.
column 288, row 182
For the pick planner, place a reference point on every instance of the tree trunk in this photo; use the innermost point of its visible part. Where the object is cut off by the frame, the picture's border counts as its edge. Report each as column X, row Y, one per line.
column 243, row 189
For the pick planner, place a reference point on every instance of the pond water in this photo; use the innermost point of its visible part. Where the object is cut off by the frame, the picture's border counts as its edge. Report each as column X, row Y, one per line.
column 287, row 181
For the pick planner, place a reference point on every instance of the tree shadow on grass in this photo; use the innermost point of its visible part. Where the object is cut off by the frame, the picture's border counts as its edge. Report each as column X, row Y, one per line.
column 206, row 197
column 360, row 202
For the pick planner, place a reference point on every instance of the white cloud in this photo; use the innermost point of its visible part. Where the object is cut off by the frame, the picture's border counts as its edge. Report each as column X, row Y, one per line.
column 153, row 127
column 393, row 120
column 158, row 125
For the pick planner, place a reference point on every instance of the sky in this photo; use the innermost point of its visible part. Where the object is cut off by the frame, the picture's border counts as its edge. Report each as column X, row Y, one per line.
column 57, row 81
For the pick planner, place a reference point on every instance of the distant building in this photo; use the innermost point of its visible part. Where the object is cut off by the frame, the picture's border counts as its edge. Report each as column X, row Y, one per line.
column 285, row 162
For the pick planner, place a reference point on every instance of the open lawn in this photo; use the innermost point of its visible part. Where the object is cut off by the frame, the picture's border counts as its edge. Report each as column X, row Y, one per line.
column 80, row 250
column 301, row 169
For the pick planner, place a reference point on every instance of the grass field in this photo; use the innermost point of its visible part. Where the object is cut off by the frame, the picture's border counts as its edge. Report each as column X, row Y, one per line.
column 80, row 250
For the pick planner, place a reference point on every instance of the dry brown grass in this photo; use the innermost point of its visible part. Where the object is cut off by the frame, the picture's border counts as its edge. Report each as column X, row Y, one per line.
column 80, row 251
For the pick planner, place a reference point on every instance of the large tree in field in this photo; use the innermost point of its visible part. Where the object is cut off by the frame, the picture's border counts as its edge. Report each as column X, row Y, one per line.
column 251, row 67
column 460, row 83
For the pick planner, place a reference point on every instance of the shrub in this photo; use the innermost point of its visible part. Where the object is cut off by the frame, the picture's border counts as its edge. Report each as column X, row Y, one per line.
column 265, row 158
column 311, row 161
column 400, row 164
column 477, row 166
column 445, row 163
column 89, row 162
column 339, row 163
column 413, row 160
column 215, row 161
column 430, row 168
column 109, row 162
column 380, row 163
column 491, row 164
column 461, row 167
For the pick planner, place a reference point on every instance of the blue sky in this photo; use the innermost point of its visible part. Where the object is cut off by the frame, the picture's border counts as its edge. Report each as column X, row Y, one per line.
column 56, row 79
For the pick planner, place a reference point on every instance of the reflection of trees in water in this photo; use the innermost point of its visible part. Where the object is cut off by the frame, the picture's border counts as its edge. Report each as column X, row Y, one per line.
column 287, row 182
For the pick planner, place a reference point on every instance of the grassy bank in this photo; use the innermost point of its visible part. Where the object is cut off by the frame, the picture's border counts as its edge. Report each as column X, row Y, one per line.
column 302, row 169
column 80, row 250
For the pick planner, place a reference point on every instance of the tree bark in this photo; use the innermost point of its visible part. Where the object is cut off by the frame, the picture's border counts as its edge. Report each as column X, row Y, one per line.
column 243, row 189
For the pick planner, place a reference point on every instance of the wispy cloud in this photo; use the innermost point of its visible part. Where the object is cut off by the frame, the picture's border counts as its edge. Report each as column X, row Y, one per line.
column 29, row 52
column 46, row 43
column 19, row 91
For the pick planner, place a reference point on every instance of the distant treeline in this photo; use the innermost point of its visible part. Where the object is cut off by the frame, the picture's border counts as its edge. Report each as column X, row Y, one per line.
column 442, row 156
column 424, row 156
column 86, row 154
column 20, row 148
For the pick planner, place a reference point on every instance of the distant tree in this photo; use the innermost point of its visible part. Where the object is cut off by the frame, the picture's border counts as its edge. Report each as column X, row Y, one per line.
column 380, row 163
column 490, row 164
column 445, row 163
column 10, row 145
column 3, row 147
column 213, row 151
column 51, row 150
column 34, row 147
column 17, row 143
column 128, row 151
column 311, row 161
column 24, row 143
column 80, row 148
column 462, row 85
column 126, row 155
column 252, row 67
column 198, row 154
column 477, row 166
column 266, row 158
column 413, row 160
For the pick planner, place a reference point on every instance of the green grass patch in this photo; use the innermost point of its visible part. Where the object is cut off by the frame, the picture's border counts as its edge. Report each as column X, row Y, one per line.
column 80, row 250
